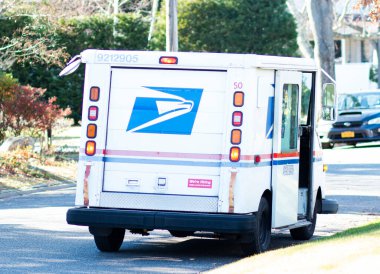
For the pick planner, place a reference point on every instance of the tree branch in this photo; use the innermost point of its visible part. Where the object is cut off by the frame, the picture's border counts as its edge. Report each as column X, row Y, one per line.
column 302, row 29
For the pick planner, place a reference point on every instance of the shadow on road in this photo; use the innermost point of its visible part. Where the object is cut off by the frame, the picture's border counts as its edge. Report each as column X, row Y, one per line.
column 354, row 169
column 42, row 199
column 356, row 204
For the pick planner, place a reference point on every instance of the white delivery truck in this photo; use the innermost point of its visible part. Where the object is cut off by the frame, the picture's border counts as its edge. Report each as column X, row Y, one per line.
column 199, row 142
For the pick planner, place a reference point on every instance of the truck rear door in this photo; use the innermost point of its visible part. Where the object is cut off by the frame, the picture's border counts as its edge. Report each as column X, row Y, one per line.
column 165, row 133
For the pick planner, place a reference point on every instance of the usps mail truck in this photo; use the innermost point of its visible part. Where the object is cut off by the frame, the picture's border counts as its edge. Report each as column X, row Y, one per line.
column 222, row 144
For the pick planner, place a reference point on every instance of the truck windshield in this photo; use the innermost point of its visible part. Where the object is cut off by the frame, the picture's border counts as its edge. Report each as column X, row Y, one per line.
column 368, row 100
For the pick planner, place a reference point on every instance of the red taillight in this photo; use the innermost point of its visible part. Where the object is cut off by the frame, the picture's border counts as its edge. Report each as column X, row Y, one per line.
column 168, row 60
column 257, row 159
column 235, row 154
column 237, row 118
column 90, row 148
column 93, row 113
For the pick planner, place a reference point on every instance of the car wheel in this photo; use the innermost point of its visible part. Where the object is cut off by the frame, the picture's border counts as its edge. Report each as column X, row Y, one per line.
column 111, row 242
column 259, row 240
column 328, row 145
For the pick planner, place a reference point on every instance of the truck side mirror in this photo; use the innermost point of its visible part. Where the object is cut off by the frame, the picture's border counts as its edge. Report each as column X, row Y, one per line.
column 71, row 66
column 328, row 102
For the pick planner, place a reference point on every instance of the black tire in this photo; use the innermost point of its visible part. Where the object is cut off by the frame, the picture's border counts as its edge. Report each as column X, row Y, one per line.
column 306, row 232
column 112, row 242
column 259, row 240
column 328, row 145
column 181, row 234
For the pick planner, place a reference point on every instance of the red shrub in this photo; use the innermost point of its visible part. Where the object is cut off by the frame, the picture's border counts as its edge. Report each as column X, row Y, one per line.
column 27, row 110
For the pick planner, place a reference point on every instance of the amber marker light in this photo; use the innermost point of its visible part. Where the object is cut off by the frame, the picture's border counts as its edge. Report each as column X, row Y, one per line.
column 90, row 148
column 235, row 154
column 236, row 136
column 91, row 131
column 94, row 94
column 238, row 99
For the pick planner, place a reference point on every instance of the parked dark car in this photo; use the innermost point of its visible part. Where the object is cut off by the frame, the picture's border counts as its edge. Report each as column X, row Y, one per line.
column 358, row 119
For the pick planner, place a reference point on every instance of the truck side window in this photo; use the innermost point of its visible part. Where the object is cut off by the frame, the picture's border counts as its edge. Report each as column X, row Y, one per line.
column 289, row 127
column 307, row 84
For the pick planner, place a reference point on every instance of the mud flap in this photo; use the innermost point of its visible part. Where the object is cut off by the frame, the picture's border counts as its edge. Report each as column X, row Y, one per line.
column 329, row 206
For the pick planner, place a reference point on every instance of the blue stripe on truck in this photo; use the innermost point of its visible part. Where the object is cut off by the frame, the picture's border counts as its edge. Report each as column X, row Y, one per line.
column 186, row 163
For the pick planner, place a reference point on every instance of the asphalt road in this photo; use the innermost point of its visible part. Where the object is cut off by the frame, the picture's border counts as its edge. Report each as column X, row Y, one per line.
column 34, row 236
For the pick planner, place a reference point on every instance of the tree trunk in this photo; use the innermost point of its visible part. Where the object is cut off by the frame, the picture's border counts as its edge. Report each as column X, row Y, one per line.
column 301, row 18
column 153, row 21
column 377, row 46
column 171, row 26
column 321, row 21
column 115, row 19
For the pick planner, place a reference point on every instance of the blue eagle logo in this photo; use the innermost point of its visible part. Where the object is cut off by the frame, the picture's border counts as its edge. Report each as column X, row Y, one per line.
column 165, row 110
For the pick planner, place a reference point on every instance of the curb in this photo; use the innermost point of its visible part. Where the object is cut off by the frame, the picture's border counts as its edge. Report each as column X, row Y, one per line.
column 58, row 182
column 15, row 193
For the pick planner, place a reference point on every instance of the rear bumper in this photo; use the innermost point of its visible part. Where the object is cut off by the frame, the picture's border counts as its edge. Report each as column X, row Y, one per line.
column 329, row 206
column 180, row 221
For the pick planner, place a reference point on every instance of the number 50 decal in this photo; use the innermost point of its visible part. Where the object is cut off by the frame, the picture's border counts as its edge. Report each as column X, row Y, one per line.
column 238, row 85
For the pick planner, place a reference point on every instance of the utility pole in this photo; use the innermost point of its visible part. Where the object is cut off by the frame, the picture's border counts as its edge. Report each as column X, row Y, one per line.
column 171, row 26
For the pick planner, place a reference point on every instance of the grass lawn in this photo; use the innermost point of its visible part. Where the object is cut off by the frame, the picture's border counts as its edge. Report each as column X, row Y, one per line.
column 356, row 250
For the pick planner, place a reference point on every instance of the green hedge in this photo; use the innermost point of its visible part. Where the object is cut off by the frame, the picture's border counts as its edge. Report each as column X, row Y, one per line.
column 77, row 35
column 249, row 26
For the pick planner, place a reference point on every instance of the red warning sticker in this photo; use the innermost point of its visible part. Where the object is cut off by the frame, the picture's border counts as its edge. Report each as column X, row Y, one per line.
column 199, row 183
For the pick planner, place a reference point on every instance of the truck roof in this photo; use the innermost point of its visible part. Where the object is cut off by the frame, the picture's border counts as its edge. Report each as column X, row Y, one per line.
column 196, row 60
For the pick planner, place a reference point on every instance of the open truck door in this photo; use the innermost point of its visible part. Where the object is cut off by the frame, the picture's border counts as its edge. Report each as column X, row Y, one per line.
column 286, row 148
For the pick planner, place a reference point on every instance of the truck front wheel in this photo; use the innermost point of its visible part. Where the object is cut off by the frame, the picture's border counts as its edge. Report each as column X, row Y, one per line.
column 111, row 242
column 259, row 240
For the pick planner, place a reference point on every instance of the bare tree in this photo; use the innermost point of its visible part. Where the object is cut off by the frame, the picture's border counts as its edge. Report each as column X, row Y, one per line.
column 321, row 21
column 373, row 5
column 317, row 16
column 302, row 21
column 155, row 5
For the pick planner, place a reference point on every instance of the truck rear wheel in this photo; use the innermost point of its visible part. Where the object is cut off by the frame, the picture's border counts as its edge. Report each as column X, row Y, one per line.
column 111, row 242
column 260, row 238
column 306, row 232
column 181, row 234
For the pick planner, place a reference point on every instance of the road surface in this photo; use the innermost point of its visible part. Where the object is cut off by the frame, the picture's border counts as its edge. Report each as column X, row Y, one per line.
column 34, row 236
